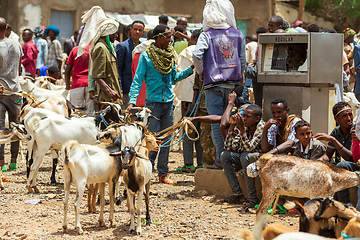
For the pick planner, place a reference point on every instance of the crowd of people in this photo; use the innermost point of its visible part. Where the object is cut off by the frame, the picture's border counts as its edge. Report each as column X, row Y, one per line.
column 206, row 66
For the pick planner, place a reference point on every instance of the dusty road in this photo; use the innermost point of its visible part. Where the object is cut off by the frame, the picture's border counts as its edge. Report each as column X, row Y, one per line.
column 177, row 211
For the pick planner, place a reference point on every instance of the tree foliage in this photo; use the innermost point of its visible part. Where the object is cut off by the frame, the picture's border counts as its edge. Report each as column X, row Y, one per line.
column 345, row 8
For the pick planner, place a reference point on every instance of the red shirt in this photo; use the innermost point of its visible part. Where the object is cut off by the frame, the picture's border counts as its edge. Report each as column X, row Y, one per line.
column 140, row 102
column 30, row 55
column 81, row 67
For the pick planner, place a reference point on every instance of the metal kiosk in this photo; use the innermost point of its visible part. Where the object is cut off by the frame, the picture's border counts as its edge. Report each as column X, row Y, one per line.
column 303, row 69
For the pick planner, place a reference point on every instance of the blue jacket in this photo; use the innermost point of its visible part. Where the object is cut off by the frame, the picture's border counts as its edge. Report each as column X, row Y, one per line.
column 158, row 85
column 124, row 60
column 357, row 67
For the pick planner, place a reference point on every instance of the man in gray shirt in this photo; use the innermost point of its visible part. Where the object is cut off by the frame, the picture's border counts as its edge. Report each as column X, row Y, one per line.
column 10, row 60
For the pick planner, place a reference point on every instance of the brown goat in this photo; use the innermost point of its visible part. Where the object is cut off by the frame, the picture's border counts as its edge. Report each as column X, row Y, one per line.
column 297, row 177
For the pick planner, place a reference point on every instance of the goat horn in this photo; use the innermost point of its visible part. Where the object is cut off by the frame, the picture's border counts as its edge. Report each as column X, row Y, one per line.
column 115, row 154
column 38, row 103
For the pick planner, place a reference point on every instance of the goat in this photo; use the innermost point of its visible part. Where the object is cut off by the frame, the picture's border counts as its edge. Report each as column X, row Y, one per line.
column 137, row 175
column 89, row 164
column 302, row 178
column 310, row 223
column 332, row 208
column 45, row 82
column 52, row 132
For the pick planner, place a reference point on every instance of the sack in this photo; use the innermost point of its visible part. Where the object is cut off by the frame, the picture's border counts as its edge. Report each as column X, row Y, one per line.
column 252, row 171
column 251, row 71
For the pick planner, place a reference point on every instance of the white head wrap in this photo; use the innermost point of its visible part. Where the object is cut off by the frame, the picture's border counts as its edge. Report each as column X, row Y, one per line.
column 97, row 25
column 218, row 14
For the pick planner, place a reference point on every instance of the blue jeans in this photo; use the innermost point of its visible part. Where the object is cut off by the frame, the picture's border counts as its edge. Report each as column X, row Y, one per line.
column 164, row 116
column 216, row 101
column 228, row 159
column 344, row 195
column 188, row 147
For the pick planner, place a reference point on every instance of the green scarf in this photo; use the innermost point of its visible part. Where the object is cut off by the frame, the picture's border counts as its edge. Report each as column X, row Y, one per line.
column 163, row 59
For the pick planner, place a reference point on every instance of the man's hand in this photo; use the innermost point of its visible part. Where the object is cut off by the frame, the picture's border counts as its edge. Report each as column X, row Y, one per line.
column 129, row 108
column 232, row 97
column 324, row 136
column 113, row 95
column 92, row 95
column 271, row 121
column 353, row 135
column 232, row 120
column 239, row 122
column 188, row 118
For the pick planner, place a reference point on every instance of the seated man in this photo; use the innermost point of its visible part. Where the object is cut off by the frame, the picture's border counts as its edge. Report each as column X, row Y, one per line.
column 279, row 132
column 307, row 147
column 340, row 143
column 242, row 147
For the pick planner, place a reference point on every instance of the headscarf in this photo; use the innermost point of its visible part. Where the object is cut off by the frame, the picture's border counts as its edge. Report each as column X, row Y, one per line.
column 218, row 14
column 297, row 23
column 38, row 32
column 54, row 28
column 96, row 25
column 348, row 32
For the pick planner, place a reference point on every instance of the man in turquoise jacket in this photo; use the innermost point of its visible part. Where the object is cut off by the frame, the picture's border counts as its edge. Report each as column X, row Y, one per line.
column 157, row 67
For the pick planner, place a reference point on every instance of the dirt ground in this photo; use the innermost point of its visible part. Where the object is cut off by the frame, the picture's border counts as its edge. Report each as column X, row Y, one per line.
column 177, row 212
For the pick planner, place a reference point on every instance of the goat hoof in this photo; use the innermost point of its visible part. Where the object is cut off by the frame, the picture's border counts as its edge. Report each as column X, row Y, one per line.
column 65, row 229
column 101, row 223
column 138, row 232
column 30, row 189
column 2, row 188
column 118, row 202
column 132, row 231
column 148, row 222
column 54, row 183
column 36, row 190
column 79, row 230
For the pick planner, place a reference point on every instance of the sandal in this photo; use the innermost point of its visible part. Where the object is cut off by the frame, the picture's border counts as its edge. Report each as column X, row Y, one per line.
column 185, row 168
column 199, row 166
column 279, row 209
column 13, row 166
column 251, row 202
column 166, row 179
column 235, row 199
column 4, row 169
column 5, row 179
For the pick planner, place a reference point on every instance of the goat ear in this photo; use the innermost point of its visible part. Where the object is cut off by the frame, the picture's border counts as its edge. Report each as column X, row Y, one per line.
column 159, row 142
column 115, row 154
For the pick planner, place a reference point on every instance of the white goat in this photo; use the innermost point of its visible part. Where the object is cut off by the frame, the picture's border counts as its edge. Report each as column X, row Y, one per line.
column 52, row 131
column 89, row 164
column 297, row 177
column 43, row 82
column 40, row 93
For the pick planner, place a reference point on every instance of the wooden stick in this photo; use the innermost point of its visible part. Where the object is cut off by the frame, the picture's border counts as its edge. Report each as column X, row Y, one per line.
column 275, row 204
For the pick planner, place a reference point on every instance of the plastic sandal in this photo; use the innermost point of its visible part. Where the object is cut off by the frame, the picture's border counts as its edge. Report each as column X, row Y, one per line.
column 4, row 169
column 13, row 166
column 199, row 166
column 281, row 211
column 5, row 179
column 166, row 179
column 188, row 169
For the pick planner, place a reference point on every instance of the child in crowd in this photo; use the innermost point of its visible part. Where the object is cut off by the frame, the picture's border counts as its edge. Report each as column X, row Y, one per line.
column 307, row 147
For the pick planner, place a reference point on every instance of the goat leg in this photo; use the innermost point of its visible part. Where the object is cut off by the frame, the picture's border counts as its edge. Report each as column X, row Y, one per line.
column 53, row 179
column 79, row 195
column 147, row 192
column 138, row 205
column 132, row 213
column 112, row 185
column 102, row 204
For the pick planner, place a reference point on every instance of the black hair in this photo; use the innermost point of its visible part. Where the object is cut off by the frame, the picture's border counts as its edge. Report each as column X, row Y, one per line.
column 179, row 19
column 29, row 30
column 179, row 28
column 238, row 90
column 127, row 28
column 8, row 26
column 163, row 18
column 196, row 33
column 280, row 100
column 138, row 21
column 338, row 106
column 301, row 123
column 313, row 27
column 256, row 109
column 150, row 34
column 159, row 29
column 76, row 32
column 261, row 30
column 53, row 69
column 279, row 20
column 286, row 25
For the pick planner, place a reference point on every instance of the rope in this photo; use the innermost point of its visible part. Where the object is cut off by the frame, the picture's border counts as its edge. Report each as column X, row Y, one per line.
column 181, row 125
